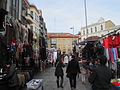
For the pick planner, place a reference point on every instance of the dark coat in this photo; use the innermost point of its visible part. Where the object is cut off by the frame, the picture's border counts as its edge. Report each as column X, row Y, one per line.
column 12, row 76
column 10, row 79
column 4, row 84
column 100, row 78
column 73, row 68
column 59, row 69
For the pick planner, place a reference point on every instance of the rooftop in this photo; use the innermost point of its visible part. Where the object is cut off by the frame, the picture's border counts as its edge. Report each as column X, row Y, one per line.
column 62, row 35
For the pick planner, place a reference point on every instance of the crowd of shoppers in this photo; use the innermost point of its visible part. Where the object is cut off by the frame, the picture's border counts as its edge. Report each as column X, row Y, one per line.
column 98, row 74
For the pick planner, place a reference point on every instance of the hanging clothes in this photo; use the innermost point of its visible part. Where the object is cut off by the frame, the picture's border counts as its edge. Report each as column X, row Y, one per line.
column 111, row 55
column 107, row 54
column 118, row 52
column 112, row 41
column 114, row 54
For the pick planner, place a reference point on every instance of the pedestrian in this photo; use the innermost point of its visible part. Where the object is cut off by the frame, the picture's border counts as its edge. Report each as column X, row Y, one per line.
column 59, row 72
column 66, row 60
column 101, row 76
column 83, row 73
column 13, row 81
column 72, row 70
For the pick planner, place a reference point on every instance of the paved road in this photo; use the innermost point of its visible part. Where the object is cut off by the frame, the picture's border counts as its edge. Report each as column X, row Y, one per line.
column 50, row 81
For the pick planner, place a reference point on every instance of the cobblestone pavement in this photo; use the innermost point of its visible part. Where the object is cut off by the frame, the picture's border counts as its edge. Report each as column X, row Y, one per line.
column 50, row 81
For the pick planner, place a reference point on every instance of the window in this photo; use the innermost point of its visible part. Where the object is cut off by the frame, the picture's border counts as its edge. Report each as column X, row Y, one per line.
column 69, row 42
column 101, row 27
column 35, row 17
column 95, row 29
column 64, row 42
column 17, row 7
column 83, row 32
column 14, row 8
column 31, row 27
column 53, row 41
column 58, row 41
column 91, row 30
column 87, row 31
column 31, row 14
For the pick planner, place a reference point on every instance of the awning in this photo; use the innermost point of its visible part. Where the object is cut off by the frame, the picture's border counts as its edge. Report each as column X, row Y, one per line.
column 92, row 38
column 82, row 43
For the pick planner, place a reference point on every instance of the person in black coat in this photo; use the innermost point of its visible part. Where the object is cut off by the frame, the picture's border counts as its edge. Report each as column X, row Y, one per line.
column 11, row 76
column 72, row 70
column 101, row 76
column 59, row 72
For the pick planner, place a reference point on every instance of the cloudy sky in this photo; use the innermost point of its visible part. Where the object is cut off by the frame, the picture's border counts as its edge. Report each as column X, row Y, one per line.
column 61, row 15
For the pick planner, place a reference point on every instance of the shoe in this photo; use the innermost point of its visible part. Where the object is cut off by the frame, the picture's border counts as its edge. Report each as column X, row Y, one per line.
column 72, row 88
column 61, row 86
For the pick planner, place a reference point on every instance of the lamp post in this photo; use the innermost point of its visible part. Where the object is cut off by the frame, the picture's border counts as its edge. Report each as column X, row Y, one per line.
column 73, row 34
column 85, row 6
column 73, row 45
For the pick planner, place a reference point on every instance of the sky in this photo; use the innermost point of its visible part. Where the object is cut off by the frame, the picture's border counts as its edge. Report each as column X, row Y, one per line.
column 61, row 15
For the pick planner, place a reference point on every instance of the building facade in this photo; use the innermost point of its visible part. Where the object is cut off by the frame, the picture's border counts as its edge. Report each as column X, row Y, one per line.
column 62, row 41
column 28, row 16
column 99, row 29
column 33, row 16
column 36, row 24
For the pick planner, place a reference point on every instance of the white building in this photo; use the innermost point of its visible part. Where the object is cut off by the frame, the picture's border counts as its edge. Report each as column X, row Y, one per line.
column 99, row 29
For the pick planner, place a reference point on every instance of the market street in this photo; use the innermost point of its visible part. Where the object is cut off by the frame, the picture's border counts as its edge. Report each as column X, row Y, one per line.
column 50, row 81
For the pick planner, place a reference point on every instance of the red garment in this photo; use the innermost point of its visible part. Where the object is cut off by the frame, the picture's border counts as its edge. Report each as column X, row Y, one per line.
column 115, row 41
column 106, row 42
column 62, row 59
column 112, row 41
column 117, row 83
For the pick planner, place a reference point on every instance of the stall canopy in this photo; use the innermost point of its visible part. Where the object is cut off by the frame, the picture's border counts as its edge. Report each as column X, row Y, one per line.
column 82, row 43
column 86, row 42
column 92, row 38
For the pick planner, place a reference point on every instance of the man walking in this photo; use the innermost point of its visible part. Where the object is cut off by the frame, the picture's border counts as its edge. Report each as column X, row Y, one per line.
column 72, row 70
column 101, row 76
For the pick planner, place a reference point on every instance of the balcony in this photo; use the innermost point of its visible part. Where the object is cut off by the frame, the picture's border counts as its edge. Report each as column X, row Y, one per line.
column 29, row 19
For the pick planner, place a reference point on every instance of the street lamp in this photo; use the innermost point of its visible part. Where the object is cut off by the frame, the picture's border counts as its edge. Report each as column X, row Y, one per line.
column 73, row 34
column 73, row 44
column 85, row 6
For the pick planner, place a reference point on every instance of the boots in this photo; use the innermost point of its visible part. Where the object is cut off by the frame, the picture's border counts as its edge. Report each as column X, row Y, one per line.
column 58, row 84
column 61, row 84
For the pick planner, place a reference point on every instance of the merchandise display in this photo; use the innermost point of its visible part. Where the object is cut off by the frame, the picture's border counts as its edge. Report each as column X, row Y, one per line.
column 35, row 84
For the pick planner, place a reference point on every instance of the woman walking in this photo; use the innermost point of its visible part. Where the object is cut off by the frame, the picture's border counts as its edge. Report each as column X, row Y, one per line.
column 59, row 72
